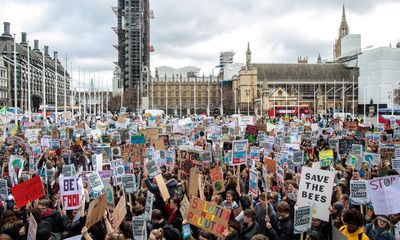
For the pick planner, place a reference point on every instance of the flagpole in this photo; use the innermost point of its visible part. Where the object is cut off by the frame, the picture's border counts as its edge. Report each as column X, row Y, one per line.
column 166, row 95
column 344, row 115
column 65, row 84
column 56, row 84
column 90, row 95
column 29, row 83
column 71, row 103
column 44, row 87
column 84, row 94
column 15, row 83
column 79, row 93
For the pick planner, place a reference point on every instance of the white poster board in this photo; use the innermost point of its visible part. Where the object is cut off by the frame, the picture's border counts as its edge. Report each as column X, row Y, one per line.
column 384, row 193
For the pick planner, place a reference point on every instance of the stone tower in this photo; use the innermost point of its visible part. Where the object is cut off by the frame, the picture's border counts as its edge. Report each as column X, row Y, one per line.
column 343, row 31
column 248, row 57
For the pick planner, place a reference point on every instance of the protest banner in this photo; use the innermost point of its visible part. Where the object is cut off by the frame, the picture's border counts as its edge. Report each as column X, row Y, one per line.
column 357, row 149
column 239, row 152
column 32, row 229
column 253, row 183
column 138, row 139
column 208, row 216
column 358, row 192
column 217, row 180
column 162, row 187
column 355, row 161
column 149, row 206
column 129, row 183
column 326, row 158
column 71, row 189
column 139, row 228
column 3, row 190
column 27, row 191
column 345, row 145
column 119, row 213
column 96, row 210
column 371, row 158
column 316, row 187
column 17, row 163
column 384, row 193
column 302, row 219
column 350, row 125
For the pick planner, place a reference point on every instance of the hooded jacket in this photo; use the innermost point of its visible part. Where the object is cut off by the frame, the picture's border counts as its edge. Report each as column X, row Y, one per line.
column 354, row 235
column 374, row 232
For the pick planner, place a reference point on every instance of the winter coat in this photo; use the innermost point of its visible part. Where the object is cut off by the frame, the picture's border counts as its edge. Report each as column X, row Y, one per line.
column 248, row 232
column 261, row 214
column 376, row 233
column 53, row 219
column 282, row 229
column 158, row 200
column 170, row 232
column 12, row 229
column 357, row 235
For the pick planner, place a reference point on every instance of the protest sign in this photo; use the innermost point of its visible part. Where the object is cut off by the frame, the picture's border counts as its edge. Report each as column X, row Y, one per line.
column 217, row 180
column 371, row 158
column 316, row 187
column 302, row 219
column 17, row 163
column 32, row 228
column 3, row 190
column 149, row 206
column 326, row 158
column 139, row 228
column 239, row 152
column 95, row 182
column 350, row 125
column 152, row 168
column 138, row 139
column 193, row 183
column 96, row 210
column 298, row 157
column 184, row 206
column 396, row 165
column 270, row 164
column 387, row 153
column 358, row 192
column 109, row 190
column 71, row 189
column 338, row 235
column 129, row 183
column 27, row 191
column 68, row 170
column 355, row 161
column 253, row 183
column 162, row 187
column 384, row 193
column 345, row 145
column 356, row 149
column 251, row 134
column 119, row 213
column 208, row 216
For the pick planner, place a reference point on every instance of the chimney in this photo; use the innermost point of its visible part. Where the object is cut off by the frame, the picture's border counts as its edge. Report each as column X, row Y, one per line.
column 7, row 28
column 36, row 44
column 23, row 37
column 46, row 50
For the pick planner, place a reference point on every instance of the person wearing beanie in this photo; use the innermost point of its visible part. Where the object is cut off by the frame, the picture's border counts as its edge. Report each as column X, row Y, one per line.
column 335, row 209
column 353, row 223
column 379, row 229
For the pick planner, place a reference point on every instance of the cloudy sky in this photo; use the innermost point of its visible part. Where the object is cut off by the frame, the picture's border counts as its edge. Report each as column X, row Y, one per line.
column 193, row 32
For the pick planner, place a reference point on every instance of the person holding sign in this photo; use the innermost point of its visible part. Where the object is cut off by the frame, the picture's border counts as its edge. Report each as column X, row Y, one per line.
column 352, row 229
column 283, row 228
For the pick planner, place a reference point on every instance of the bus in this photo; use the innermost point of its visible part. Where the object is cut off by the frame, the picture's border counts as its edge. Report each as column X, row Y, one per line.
column 289, row 110
column 387, row 115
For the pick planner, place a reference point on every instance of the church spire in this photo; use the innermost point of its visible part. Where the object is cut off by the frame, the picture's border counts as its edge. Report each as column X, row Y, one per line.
column 343, row 14
column 344, row 28
column 248, row 57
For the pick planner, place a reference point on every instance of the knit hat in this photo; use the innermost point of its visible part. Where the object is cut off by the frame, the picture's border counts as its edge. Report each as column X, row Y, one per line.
column 339, row 206
column 343, row 181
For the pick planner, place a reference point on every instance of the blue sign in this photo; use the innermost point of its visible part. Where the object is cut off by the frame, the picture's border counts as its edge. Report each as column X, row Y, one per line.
column 138, row 139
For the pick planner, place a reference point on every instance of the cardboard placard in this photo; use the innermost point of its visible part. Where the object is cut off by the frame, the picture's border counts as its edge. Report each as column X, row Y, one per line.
column 152, row 168
column 149, row 206
column 193, row 183
column 96, row 210
column 217, row 180
column 208, row 216
column 184, row 206
column 270, row 164
column 316, row 187
column 239, row 152
column 163, row 187
column 119, row 213
column 387, row 153
column 27, row 191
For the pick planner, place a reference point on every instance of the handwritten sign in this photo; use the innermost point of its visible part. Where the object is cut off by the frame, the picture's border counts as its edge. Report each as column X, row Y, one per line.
column 208, row 216
column 253, row 183
column 384, row 193
column 217, row 180
column 119, row 212
column 316, row 187
column 326, row 158
column 27, row 191
column 71, row 192
column 32, row 230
